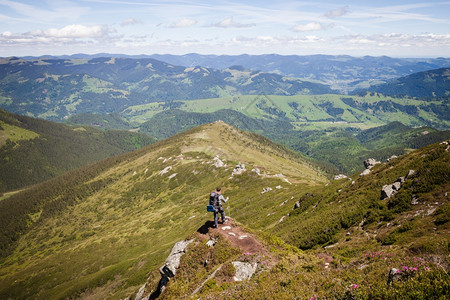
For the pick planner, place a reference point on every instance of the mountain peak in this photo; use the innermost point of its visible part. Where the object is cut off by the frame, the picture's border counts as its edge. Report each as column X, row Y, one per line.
column 232, row 144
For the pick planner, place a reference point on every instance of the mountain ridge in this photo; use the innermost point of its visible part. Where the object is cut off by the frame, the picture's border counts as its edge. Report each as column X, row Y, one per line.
column 428, row 84
column 344, row 72
column 61, row 87
column 98, row 211
column 101, row 230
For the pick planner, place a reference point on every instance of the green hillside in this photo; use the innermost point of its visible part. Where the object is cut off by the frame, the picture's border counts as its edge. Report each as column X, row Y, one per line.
column 98, row 230
column 351, row 240
column 104, row 230
column 428, row 84
column 59, row 88
column 313, row 111
column 337, row 148
column 33, row 150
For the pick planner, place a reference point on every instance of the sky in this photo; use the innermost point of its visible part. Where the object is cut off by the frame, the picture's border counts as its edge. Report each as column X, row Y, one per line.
column 396, row 28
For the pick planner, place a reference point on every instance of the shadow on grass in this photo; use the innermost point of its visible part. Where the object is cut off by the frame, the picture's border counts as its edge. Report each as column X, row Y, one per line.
column 204, row 229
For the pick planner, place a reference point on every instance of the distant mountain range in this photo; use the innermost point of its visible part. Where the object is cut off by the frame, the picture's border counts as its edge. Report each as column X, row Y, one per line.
column 428, row 84
column 341, row 72
column 57, row 88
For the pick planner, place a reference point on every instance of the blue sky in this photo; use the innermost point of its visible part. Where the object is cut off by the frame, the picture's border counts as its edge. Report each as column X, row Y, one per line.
column 393, row 28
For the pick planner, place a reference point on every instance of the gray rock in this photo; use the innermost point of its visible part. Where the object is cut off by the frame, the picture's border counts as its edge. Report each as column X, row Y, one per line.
column 239, row 169
column 387, row 191
column 170, row 267
column 340, row 176
column 396, row 186
column 173, row 260
column 414, row 200
column 257, row 171
column 410, row 174
column 140, row 294
column 394, row 274
column 370, row 162
column 365, row 172
column 217, row 162
column 400, row 179
column 244, row 270
column 297, row 204
column 392, row 157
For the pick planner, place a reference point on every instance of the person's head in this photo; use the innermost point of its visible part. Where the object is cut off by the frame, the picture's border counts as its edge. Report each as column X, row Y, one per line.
column 218, row 190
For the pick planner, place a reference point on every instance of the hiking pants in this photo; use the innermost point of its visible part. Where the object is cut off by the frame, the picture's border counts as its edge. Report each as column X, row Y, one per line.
column 216, row 215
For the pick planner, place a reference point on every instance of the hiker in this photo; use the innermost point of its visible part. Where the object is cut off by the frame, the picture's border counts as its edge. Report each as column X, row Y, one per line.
column 216, row 199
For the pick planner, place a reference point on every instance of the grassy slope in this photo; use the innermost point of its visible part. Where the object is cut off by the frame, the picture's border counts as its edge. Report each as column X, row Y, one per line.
column 355, row 265
column 338, row 148
column 107, row 225
column 35, row 150
column 321, row 111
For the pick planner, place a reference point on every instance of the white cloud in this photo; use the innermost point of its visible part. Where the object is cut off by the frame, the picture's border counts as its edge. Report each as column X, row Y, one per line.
column 230, row 23
column 313, row 26
column 131, row 21
column 72, row 34
column 75, row 31
column 337, row 12
column 182, row 23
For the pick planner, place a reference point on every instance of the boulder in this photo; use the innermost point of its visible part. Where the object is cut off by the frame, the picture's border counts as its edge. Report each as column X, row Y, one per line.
column 365, row 172
column 165, row 170
column 239, row 169
column 392, row 157
column 370, row 162
column 400, row 179
column 257, row 171
column 140, row 294
column 170, row 267
column 340, row 176
column 387, row 191
column 396, row 186
column 217, row 162
column 297, row 204
column 394, row 274
column 173, row 260
column 244, row 270
column 410, row 174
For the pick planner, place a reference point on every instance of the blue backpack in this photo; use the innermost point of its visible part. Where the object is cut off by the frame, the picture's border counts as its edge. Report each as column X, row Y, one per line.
column 213, row 202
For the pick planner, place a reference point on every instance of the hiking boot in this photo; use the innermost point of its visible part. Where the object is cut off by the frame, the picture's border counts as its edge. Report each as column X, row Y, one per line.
column 224, row 222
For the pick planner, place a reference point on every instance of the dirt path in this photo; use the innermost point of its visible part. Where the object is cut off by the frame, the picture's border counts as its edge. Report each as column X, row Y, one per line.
column 236, row 235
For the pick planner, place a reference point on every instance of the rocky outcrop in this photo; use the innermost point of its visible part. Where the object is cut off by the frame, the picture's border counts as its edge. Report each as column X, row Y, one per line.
column 370, row 163
column 340, row 176
column 257, row 171
column 217, row 162
column 365, row 172
column 167, row 271
column 244, row 270
column 389, row 190
column 265, row 190
column 165, row 170
column 239, row 169
column 394, row 274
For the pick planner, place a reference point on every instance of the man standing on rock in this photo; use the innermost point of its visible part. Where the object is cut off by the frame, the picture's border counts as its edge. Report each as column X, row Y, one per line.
column 215, row 199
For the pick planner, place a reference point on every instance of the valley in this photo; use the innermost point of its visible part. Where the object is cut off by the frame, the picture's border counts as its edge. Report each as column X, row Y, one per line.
column 107, row 163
